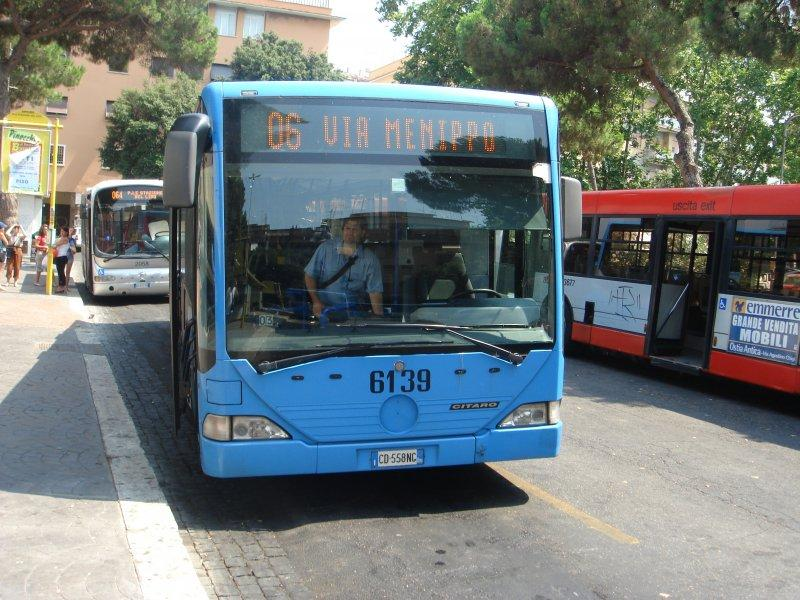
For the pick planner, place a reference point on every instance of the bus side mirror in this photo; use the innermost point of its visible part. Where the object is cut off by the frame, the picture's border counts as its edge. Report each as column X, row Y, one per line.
column 571, row 208
column 186, row 142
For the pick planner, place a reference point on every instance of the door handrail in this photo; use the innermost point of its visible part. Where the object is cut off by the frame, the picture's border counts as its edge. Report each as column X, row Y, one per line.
column 672, row 310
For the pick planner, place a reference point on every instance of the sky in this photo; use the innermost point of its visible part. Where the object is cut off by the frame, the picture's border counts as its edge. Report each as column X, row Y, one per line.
column 361, row 42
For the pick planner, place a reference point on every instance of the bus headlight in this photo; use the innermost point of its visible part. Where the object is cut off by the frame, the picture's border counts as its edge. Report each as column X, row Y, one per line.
column 224, row 428
column 217, row 427
column 257, row 428
column 531, row 415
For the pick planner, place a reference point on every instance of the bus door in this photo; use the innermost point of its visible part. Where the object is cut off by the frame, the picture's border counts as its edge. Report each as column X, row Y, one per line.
column 684, row 288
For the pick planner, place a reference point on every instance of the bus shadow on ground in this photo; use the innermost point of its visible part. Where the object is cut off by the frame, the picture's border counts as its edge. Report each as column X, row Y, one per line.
column 139, row 358
column 115, row 301
column 760, row 414
column 49, row 436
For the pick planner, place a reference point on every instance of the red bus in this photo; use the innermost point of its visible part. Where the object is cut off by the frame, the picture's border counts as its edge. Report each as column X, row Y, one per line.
column 701, row 280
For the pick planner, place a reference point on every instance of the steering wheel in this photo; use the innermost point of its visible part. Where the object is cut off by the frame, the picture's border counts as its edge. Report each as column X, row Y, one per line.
column 487, row 291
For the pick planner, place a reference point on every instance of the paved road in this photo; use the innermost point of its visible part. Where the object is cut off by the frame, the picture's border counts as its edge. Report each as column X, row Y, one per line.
column 665, row 488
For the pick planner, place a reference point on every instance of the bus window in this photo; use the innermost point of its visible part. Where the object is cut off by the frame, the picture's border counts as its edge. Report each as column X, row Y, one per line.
column 576, row 257
column 625, row 248
column 766, row 257
column 576, row 254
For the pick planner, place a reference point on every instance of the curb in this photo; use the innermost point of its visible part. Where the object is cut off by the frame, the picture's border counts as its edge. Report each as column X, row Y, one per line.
column 162, row 563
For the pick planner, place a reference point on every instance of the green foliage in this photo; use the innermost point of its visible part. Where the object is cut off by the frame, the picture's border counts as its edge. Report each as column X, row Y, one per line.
column 139, row 122
column 599, row 146
column 270, row 58
column 739, row 106
column 562, row 46
column 44, row 67
column 433, row 57
column 32, row 30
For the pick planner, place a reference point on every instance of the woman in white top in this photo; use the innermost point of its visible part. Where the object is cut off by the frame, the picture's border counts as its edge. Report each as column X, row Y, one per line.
column 16, row 236
column 62, row 256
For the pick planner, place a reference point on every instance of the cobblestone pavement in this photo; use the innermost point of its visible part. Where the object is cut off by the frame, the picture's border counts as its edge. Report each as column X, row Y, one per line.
column 234, row 557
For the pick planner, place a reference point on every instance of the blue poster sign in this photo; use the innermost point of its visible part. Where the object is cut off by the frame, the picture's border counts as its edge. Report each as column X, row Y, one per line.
column 768, row 330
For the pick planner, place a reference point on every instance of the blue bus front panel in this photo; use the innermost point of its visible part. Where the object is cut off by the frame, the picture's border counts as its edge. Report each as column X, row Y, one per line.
column 293, row 457
column 342, row 424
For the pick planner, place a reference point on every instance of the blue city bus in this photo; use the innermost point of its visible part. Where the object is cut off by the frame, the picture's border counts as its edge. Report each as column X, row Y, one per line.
column 366, row 277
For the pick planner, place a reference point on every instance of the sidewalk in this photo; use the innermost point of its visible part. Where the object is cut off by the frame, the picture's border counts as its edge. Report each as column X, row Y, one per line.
column 71, row 481
column 27, row 278
column 61, row 530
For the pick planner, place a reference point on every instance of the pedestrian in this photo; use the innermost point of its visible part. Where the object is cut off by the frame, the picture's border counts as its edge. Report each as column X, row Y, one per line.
column 3, row 245
column 62, row 251
column 16, row 236
column 40, row 247
column 73, row 248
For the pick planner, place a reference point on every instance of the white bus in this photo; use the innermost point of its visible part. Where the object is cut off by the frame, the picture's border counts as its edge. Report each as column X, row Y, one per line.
column 125, row 238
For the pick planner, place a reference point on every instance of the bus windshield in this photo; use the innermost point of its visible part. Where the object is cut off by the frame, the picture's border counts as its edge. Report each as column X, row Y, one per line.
column 351, row 249
column 130, row 221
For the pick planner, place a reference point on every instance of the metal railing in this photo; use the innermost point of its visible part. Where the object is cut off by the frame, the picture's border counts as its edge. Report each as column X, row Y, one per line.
column 317, row 3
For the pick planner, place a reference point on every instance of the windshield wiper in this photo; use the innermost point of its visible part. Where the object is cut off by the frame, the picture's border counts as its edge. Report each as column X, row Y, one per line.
column 501, row 353
column 151, row 246
column 273, row 365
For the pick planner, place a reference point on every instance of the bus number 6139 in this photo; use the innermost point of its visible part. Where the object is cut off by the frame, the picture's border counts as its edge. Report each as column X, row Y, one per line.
column 404, row 381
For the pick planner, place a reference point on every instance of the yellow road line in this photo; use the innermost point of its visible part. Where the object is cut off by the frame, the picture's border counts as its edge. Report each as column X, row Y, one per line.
column 565, row 507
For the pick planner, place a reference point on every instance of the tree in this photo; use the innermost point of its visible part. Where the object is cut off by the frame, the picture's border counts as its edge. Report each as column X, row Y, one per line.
column 38, row 37
column 432, row 57
column 139, row 122
column 270, row 58
column 588, row 48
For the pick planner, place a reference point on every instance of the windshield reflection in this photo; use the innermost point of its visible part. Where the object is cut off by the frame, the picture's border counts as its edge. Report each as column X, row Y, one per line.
column 313, row 250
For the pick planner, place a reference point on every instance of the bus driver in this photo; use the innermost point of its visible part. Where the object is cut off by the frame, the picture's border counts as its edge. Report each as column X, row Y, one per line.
column 344, row 272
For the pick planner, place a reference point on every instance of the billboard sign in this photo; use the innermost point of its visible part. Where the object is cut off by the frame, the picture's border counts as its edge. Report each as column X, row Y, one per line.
column 765, row 329
column 24, row 154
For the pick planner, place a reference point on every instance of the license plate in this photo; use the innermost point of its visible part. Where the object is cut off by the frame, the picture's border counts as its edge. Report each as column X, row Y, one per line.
column 397, row 458
column 142, row 285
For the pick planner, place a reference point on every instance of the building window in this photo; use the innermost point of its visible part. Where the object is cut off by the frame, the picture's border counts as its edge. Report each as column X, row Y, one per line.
column 118, row 64
column 59, row 107
column 109, row 108
column 160, row 66
column 225, row 20
column 62, row 151
column 253, row 24
column 220, row 72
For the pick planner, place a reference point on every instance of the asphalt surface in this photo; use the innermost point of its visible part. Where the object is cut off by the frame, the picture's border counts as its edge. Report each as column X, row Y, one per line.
column 666, row 487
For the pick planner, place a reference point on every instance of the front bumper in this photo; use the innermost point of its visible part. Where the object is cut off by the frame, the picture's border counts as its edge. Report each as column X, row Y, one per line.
column 117, row 288
column 294, row 457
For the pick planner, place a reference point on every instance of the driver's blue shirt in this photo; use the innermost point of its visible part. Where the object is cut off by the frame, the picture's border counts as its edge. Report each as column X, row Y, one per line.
column 352, row 288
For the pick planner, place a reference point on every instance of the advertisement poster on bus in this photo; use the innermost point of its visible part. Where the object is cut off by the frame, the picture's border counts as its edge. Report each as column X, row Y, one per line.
column 23, row 160
column 768, row 330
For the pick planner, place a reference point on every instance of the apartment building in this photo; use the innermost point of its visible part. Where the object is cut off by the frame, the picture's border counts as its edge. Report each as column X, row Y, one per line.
column 83, row 110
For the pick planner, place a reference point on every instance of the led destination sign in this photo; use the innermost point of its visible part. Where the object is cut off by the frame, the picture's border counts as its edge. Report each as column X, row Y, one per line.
column 394, row 130
column 135, row 194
